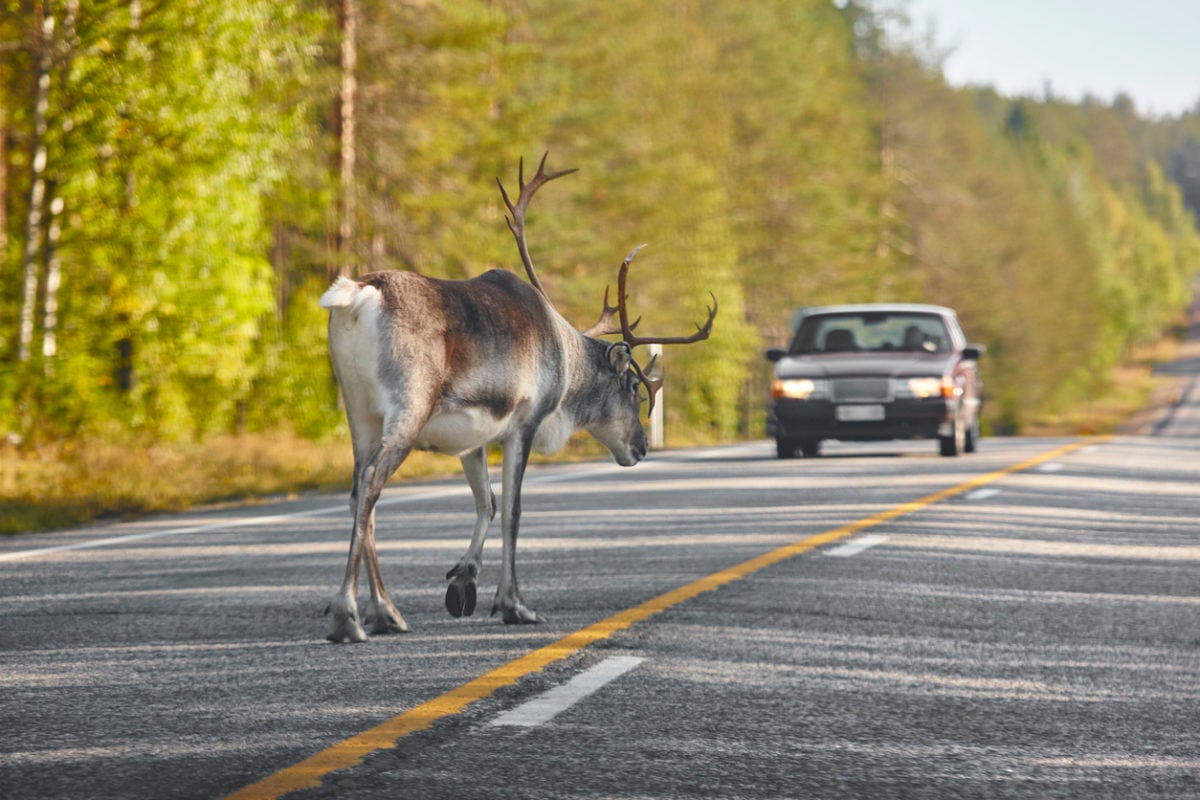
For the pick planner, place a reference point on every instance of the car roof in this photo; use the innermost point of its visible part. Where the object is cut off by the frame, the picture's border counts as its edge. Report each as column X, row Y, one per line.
column 861, row 308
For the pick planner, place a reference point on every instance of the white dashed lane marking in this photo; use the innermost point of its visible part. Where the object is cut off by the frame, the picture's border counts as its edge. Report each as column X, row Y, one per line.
column 856, row 546
column 545, row 707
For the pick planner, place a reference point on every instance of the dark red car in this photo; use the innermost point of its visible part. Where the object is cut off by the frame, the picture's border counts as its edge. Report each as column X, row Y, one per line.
column 874, row 372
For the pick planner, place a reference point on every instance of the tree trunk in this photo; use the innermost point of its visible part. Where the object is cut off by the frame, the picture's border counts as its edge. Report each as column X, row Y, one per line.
column 37, row 188
column 3, row 184
column 348, row 20
column 54, row 229
column 53, row 281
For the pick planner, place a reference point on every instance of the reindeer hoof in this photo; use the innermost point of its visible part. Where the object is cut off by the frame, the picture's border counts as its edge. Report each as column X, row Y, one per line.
column 460, row 598
column 463, row 571
column 518, row 615
column 386, row 620
column 346, row 626
column 347, row 631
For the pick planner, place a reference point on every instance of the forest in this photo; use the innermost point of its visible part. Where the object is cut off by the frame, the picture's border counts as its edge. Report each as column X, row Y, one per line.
column 180, row 179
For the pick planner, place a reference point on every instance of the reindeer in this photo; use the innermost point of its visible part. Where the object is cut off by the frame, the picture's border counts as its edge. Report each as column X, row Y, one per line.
column 454, row 366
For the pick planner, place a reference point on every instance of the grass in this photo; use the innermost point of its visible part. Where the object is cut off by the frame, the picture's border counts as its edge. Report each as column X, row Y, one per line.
column 68, row 484
column 1128, row 404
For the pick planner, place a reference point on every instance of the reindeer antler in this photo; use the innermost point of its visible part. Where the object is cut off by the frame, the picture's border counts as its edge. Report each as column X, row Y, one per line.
column 516, row 223
column 613, row 319
column 702, row 331
column 605, row 326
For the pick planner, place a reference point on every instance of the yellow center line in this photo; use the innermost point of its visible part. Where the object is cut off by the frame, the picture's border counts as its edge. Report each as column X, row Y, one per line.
column 350, row 752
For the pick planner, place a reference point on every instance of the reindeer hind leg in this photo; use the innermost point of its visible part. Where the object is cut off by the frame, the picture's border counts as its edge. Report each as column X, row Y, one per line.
column 346, row 625
column 508, row 596
column 376, row 458
column 382, row 615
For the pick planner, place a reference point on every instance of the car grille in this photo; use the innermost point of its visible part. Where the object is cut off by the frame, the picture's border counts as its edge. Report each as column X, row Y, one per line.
column 862, row 390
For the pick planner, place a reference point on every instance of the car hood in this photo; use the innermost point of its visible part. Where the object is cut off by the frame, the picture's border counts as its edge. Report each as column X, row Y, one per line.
column 897, row 365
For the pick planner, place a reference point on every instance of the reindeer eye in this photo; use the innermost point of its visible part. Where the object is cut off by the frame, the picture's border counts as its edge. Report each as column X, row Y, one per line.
column 634, row 386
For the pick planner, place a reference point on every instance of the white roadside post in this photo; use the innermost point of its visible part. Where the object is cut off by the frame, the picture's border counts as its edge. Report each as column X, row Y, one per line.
column 656, row 416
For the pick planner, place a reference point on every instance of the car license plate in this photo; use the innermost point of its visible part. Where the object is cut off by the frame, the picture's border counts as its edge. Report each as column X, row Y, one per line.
column 859, row 413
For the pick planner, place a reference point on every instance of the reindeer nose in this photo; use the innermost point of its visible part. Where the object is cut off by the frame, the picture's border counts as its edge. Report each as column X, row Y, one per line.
column 635, row 453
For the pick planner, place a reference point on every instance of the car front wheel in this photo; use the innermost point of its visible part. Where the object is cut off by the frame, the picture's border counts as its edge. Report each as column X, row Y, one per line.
column 956, row 442
column 785, row 448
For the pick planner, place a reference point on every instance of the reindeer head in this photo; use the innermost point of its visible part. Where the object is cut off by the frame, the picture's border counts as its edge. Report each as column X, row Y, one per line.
column 611, row 411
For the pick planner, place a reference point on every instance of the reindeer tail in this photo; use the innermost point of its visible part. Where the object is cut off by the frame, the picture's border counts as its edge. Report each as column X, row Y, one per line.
column 342, row 294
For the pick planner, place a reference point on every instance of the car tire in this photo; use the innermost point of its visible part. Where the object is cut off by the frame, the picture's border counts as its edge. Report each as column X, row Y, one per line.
column 953, row 444
column 785, row 448
column 971, row 442
column 810, row 448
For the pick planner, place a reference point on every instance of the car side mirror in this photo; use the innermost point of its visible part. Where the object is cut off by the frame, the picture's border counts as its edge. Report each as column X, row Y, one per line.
column 775, row 353
column 973, row 352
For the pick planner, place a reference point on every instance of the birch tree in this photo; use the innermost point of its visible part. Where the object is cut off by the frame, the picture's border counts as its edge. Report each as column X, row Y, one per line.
column 43, row 43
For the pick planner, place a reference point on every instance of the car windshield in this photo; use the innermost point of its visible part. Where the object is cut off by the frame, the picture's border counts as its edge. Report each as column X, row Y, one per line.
column 875, row 331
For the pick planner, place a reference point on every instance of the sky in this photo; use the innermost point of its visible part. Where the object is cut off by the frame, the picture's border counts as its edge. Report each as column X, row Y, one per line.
column 1147, row 49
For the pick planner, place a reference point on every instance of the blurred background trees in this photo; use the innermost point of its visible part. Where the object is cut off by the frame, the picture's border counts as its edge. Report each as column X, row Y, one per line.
column 180, row 178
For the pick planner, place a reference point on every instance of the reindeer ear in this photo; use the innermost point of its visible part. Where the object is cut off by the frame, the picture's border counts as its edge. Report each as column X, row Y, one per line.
column 620, row 356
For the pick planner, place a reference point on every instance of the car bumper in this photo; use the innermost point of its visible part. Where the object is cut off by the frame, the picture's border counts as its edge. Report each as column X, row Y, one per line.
column 820, row 419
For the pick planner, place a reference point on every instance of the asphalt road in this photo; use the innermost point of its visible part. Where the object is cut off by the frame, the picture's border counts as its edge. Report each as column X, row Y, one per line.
column 997, row 627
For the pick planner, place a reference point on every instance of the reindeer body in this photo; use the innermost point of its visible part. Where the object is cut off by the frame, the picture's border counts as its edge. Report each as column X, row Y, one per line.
column 451, row 367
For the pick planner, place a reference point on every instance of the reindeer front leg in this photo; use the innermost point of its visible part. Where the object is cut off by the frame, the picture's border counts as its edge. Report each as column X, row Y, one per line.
column 461, row 593
column 508, row 595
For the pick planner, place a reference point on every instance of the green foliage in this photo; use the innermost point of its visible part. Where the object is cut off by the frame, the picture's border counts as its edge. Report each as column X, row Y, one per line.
column 162, row 142
column 779, row 154
column 1043, row 223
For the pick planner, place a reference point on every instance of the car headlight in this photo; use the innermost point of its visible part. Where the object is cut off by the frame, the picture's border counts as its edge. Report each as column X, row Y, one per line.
column 798, row 388
column 925, row 387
